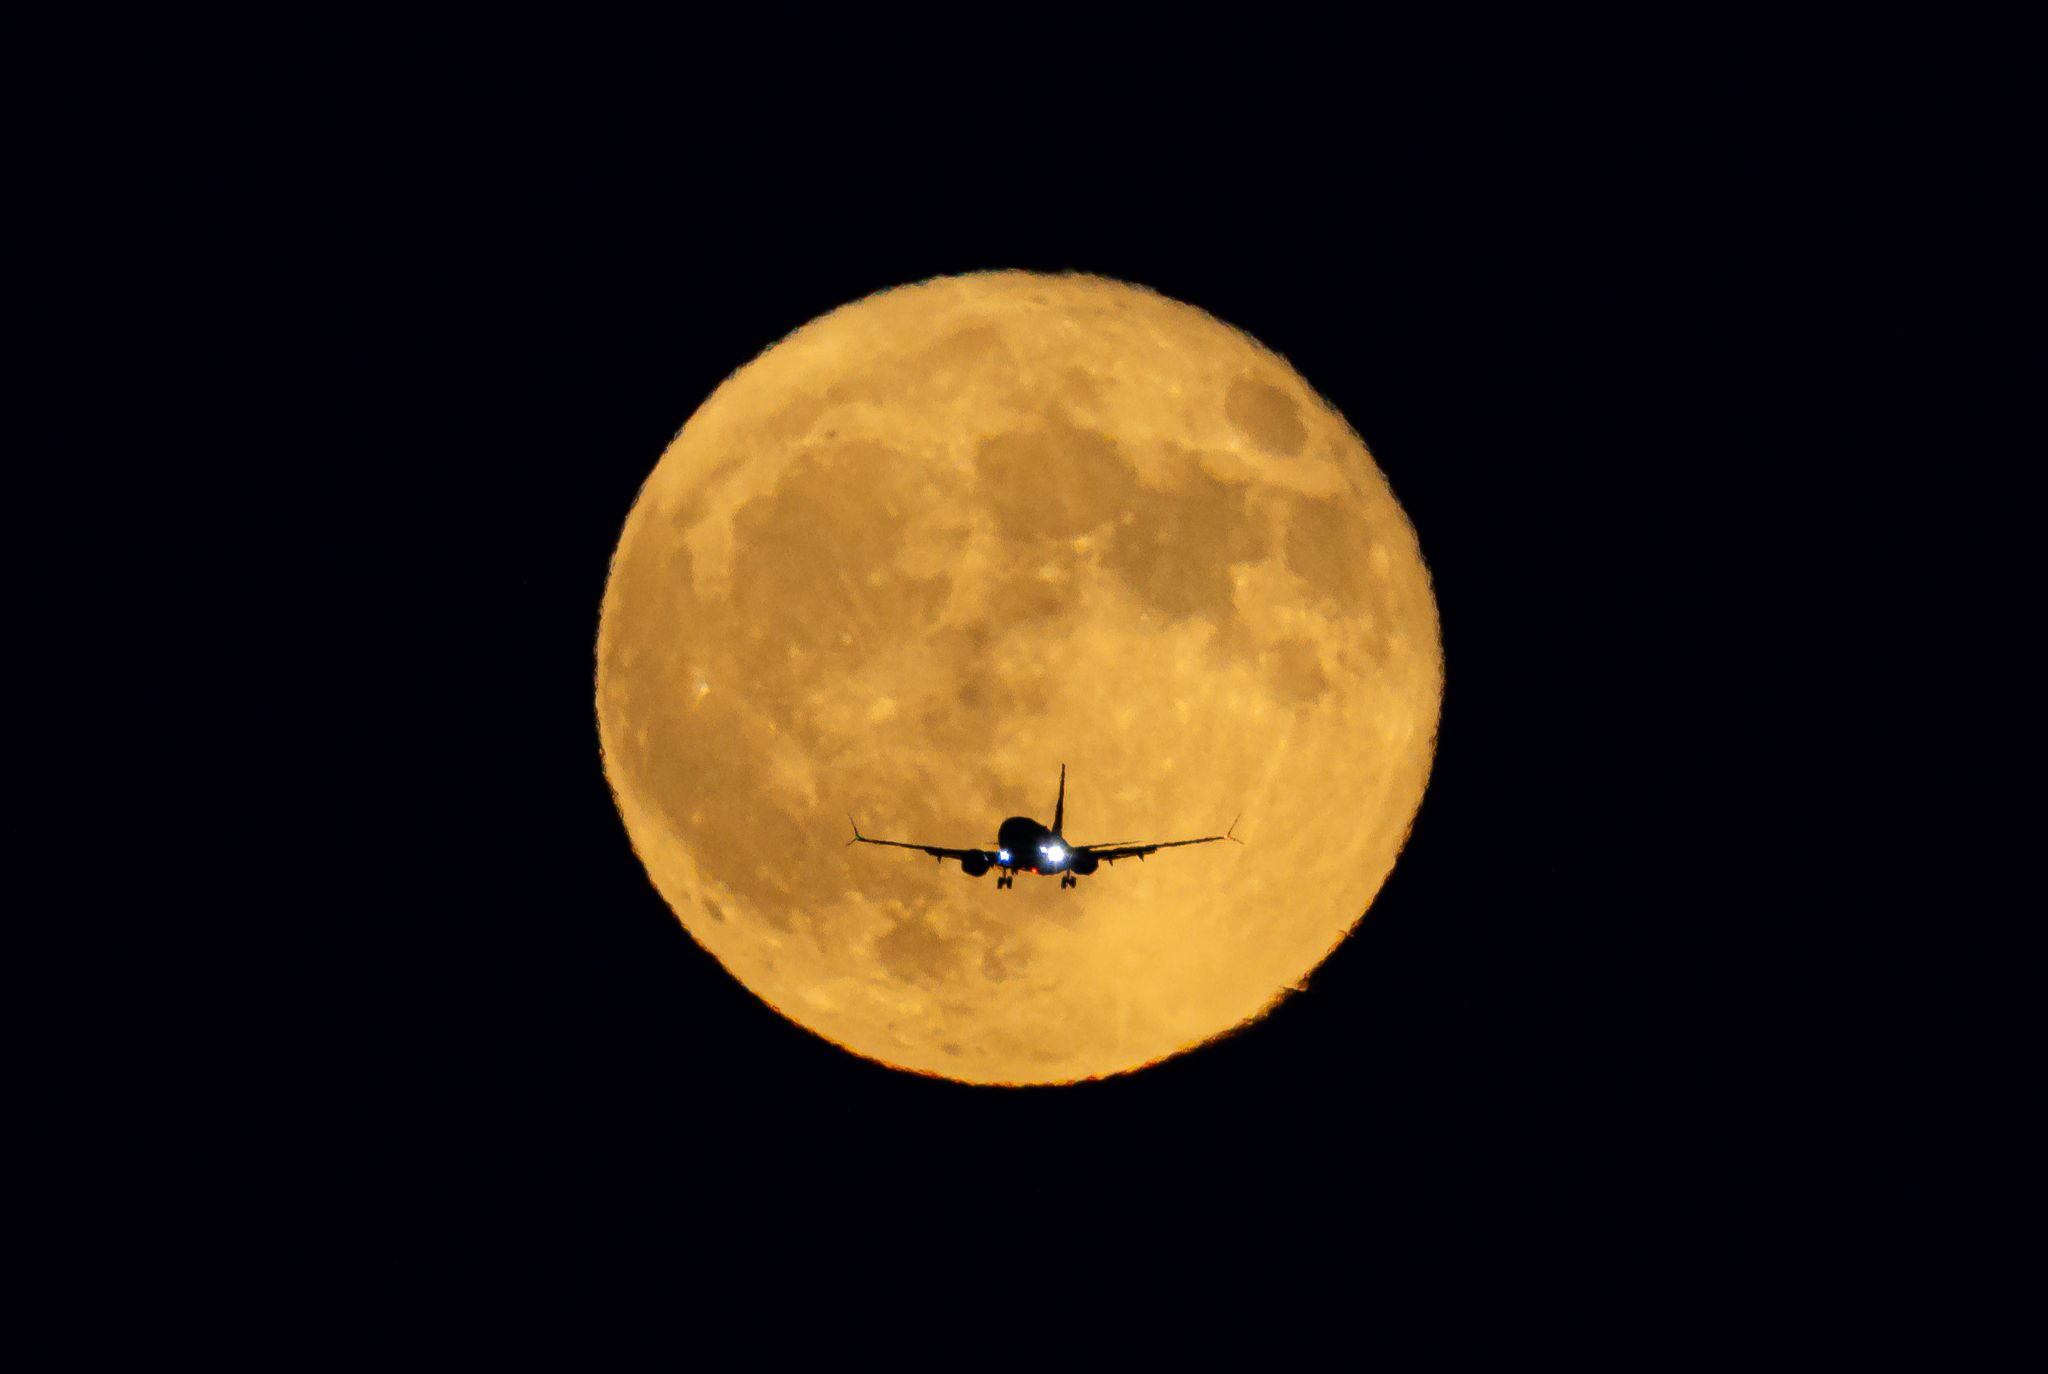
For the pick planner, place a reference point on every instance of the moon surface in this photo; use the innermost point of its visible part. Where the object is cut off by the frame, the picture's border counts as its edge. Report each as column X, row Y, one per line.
column 935, row 544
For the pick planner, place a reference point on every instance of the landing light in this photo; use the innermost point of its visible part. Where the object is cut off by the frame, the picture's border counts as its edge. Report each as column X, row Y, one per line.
column 1003, row 854
column 1055, row 852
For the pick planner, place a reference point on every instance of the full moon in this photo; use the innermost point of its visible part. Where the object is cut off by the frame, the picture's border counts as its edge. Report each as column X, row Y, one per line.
column 939, row 542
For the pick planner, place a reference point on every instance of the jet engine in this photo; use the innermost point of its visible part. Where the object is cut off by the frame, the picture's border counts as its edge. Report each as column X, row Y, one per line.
column 974, row 865
column 1084, row 864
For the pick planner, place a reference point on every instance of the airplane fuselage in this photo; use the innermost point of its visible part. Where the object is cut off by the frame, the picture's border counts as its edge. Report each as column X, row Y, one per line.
column 1024, row 843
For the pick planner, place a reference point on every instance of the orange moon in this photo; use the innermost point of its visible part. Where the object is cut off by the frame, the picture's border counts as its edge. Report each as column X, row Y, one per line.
column 935, row 544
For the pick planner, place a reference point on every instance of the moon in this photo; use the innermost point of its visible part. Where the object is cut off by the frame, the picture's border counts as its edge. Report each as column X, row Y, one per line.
column 937, row 543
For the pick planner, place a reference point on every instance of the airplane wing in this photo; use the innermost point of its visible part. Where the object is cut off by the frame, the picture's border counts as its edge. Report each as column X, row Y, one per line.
column 1126, row 849
column 935, row 850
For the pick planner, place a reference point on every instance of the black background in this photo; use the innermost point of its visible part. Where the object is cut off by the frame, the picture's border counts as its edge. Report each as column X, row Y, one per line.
column 1530, row 375
column 1612, row 361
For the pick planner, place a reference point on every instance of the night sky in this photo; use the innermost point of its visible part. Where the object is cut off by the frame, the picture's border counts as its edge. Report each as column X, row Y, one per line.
column 1611, row 369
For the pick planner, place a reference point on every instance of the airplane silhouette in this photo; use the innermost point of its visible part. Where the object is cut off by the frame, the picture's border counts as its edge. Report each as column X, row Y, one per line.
column 1023, row 844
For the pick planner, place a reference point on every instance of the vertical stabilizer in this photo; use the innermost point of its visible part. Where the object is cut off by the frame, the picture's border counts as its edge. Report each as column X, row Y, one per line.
column 1059, row 808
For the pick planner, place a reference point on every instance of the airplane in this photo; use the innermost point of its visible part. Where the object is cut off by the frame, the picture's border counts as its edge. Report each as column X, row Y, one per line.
column 1022, row 844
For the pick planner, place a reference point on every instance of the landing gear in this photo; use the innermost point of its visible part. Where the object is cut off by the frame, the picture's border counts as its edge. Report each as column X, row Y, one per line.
column 1007, row 880
column 1068, row 880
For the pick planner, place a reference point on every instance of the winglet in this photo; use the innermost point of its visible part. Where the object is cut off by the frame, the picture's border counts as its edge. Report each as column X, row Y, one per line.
column 1230, row 834
column 857, row 836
